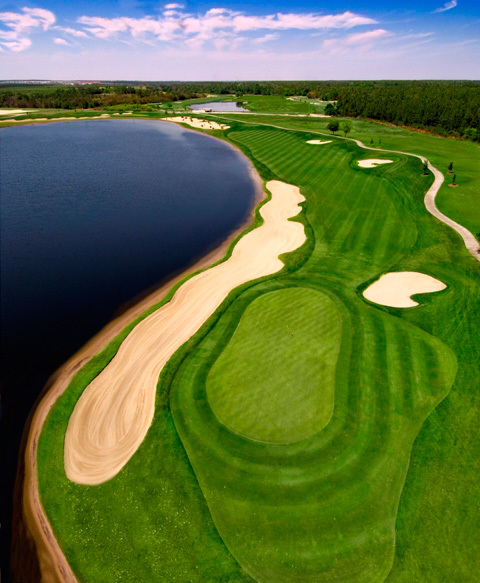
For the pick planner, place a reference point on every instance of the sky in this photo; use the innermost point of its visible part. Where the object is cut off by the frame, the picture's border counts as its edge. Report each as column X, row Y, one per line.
column 222, row 40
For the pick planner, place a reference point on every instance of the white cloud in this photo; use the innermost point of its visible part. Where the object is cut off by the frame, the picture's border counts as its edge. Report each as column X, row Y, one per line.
column 447, row 6
column 220, row 28
column 266, row 38
column 418, row 35
column 196, row 30
column 72, row 31
column 20, row 25
column 61, row 41
column 367, row 37
column 357, row 41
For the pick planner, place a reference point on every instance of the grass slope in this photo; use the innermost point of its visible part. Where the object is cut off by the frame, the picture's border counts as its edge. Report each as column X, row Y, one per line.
column 327, row 503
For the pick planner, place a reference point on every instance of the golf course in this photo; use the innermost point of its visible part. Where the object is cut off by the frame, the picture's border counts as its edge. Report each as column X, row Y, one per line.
column 304, row 410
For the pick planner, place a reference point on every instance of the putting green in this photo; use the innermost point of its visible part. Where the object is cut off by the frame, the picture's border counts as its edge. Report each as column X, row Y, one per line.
column 278, row 384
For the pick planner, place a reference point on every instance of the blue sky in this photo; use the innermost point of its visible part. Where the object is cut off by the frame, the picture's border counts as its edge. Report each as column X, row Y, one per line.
column 286, row 39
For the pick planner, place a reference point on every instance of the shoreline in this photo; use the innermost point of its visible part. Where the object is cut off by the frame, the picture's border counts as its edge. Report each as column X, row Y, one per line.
column 35, row 527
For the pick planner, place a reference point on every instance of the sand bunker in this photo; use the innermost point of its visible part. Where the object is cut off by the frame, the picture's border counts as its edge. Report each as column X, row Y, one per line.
column 14, row 111
column 394, row 289
column 112, row 416
column 202, row 124
column 373, row 162
column 318, row 142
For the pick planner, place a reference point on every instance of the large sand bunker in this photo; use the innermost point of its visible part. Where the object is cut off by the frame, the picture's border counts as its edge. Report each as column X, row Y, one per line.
column 319, row 142
column 394, row 289
column 112, row 416
column 202, row 124
column 373, row 162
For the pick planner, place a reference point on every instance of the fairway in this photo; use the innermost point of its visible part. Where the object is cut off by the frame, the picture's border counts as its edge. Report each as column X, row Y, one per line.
column 297, row 434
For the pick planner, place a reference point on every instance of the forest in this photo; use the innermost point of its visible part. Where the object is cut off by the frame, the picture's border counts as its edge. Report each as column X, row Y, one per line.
column 443, row 107
column 448, row 108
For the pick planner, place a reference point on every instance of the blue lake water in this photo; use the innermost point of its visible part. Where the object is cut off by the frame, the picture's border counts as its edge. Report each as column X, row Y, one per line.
column 93, row 214
column 218, row 106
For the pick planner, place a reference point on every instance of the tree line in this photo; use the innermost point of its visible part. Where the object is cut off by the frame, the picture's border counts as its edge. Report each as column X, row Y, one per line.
column 97, row 95
column 445, row 107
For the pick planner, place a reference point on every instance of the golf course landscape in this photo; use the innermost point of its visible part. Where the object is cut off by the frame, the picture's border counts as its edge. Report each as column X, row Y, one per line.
column 288, row 427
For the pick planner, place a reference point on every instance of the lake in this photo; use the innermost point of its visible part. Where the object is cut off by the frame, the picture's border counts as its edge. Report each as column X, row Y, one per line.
column 93, row 214
column 218, row 106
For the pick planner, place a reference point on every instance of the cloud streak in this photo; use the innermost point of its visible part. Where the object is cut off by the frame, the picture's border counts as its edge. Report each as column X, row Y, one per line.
column 447, row 6
column 357, row 41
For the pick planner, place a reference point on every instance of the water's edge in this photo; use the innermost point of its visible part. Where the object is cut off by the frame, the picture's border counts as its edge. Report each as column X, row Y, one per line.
column 35, row 553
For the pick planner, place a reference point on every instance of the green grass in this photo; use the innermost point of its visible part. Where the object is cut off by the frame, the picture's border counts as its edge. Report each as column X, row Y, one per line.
column 461, row 204
column 387, row 491
column 278, row 385
column 279, row 104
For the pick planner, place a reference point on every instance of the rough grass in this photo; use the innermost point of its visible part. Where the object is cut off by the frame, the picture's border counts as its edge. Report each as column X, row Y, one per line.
column 327, row 504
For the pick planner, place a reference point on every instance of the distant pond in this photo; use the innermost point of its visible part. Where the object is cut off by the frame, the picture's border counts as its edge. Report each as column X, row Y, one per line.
column 218, row 106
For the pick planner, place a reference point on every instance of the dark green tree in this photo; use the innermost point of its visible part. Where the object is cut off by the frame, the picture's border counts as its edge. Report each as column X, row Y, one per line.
column 454, row 180
column 333, row 126
column 425, row 168
column 346, row 127
column 330, row 109
column 450, row 167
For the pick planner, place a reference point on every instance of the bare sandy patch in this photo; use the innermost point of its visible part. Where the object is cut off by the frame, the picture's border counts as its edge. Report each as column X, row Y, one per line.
column 202, row 124
column 112, row 416
column 373, row 162
column 28, row 119
column 319, row 142
column 14, row 111
column 94, row 116
column 395, row 289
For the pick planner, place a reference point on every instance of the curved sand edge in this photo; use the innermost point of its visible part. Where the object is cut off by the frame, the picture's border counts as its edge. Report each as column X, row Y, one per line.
column 52, row 562
column 113, row 414
column 202, row 124
column 319, row 142
column 33, row 120
column 395, row 289
column 373, row 162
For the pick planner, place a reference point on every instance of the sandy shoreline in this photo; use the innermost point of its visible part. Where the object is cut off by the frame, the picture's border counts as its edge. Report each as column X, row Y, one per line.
column 52, row 562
